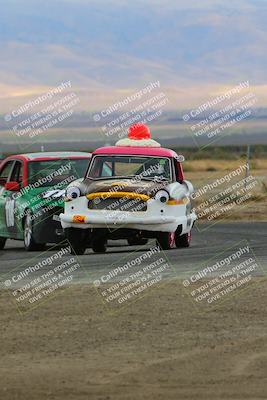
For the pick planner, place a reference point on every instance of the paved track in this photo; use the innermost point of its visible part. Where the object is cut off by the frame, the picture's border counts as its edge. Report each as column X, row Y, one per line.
column 206, row 244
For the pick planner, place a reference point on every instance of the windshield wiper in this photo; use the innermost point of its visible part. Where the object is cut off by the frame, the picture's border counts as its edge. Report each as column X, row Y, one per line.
column 144, row 178
column 135, row 177
column 160, row 178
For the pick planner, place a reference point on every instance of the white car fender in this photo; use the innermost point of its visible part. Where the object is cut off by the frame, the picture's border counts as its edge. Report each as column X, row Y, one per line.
column 179, row 190
column 76, row 183
column 189, row 186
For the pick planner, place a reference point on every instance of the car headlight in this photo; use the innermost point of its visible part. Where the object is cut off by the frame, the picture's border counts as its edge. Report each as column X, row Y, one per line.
column 54, row 194
column 59, row 194
column 163, row 196
column 73, row 193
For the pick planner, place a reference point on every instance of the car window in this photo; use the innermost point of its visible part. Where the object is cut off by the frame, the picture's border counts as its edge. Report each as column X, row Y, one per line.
column 106, row 170
column 56, row 172
column 130, row 166
column 5, row 172
column 17, row 173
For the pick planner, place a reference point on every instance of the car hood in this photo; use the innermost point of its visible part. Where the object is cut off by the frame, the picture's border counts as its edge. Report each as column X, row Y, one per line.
column 149, row 188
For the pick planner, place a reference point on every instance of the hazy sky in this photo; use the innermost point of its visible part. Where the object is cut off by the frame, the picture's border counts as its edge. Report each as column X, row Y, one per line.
column 106, row 48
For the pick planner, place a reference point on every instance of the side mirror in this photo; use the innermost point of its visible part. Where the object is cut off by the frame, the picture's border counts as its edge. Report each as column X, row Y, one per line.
column 12, row 186
column 180, row 158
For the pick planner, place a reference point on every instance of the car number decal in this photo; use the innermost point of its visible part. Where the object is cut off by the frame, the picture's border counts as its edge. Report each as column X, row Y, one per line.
column 10, row 213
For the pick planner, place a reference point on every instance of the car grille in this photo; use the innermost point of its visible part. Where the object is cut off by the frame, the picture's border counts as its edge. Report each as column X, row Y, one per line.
column 118, row 204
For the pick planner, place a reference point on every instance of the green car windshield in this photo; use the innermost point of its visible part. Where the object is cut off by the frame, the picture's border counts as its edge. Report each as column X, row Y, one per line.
column 56, row 172
column 149, row 168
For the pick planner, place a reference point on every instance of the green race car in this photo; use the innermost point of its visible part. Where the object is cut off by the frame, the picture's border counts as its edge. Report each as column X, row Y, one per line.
column 32, row 189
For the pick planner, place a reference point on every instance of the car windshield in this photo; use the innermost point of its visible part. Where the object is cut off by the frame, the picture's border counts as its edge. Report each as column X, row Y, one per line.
column 150, row 168
column 56, row 172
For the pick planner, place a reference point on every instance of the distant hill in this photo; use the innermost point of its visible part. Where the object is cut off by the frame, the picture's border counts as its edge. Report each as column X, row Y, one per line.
column 111, row 48
column 80, row 130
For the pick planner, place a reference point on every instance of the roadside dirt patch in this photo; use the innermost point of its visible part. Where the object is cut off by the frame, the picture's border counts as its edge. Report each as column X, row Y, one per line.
column 160, row 347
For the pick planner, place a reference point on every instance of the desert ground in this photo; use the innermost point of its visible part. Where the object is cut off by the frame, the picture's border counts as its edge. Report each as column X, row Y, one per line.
column 160, row 347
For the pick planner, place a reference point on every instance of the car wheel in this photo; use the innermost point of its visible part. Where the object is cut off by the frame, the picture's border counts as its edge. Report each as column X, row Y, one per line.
column 137, row 241
column 77, row 239
column 166, row 240
column 99, row 245
column 2, row 243
column 29, row 242
column 183, row 240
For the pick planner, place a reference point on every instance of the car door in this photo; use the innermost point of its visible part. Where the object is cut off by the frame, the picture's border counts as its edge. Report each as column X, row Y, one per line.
column 13, row 200
column 5, row 211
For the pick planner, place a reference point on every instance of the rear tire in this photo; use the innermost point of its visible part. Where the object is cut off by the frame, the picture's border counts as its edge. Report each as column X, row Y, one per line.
column 29, row 242
column 77, row 239
column 166, row 240
column 2, row 243
column 183, row 240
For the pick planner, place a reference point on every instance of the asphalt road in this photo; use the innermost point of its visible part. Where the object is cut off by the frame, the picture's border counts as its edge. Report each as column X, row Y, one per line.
column 208, row 246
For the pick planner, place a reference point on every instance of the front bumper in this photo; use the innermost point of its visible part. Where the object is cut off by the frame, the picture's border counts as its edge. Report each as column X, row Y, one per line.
column 157, row 217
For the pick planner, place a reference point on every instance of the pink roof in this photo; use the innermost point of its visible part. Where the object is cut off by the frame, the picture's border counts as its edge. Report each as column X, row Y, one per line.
column 144, row 151
column 47, row 156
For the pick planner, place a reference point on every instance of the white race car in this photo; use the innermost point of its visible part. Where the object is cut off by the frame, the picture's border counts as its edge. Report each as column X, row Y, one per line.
column 135, row 190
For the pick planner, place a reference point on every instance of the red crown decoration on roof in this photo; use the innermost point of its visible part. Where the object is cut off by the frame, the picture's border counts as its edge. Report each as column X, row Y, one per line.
column 138, row 136
column 139, row 132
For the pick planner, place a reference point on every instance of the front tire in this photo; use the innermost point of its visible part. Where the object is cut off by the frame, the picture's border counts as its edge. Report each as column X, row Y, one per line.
column 183, row 240
column 166, row 240
column 29, row 242
column 2, row 243
column 99, row 246
column 77, row 239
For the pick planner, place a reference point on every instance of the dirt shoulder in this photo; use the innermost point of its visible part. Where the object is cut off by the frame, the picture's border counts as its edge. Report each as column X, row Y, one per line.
column 235, row 204
column 160, row 347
